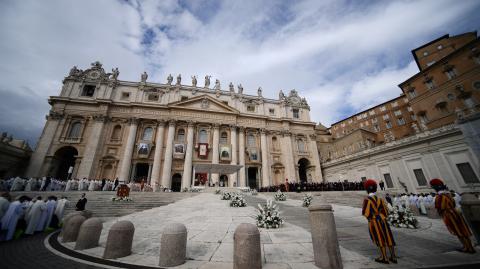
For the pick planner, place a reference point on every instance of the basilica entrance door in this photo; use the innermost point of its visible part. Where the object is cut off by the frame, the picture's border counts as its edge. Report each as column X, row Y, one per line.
column 176, row 182
column 141, row 172
column 223, row 181
column 64, row 159
column 302, row 169
column 252, row 177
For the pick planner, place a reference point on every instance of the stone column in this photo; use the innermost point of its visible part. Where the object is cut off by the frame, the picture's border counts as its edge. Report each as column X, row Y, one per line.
column 157, row 157
column 127, row 154
column 215, row 155
column 90, row 152
column 316, row 159
column 233, row 140
column 187, row 167
column 149, row 174
column 287, row 152
column 265, row 167
column 167, row 164
column 241, row 156
column 41, row 150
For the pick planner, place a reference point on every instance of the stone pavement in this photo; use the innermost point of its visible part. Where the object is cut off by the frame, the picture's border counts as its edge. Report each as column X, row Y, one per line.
column 211, row 223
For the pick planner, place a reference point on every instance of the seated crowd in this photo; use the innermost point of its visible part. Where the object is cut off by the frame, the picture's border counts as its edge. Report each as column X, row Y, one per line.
column 314, row 186
column 25, row 216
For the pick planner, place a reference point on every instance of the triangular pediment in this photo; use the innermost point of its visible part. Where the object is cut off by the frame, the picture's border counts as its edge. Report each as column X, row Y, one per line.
column 204, row 103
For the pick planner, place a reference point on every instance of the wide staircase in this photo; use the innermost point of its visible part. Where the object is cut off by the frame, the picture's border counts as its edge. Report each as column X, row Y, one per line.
column 101, row 204
column 350, row 198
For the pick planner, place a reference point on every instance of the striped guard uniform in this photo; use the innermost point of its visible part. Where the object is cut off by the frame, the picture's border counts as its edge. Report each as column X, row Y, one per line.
column 454, row 221
column 375, row 210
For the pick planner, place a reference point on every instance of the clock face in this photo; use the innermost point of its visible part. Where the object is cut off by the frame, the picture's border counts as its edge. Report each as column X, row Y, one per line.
column 94, row 74
column 295, row 100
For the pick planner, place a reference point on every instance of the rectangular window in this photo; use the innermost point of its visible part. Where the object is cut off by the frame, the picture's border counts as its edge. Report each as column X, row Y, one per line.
column 125, row 95
column 395, row 104
column 412, row 93
column 467, row 173
column 388, row 180
column 397, row 112
column 421, row 180
column 413, row 117
column 429, row 84
column 153, row 97
column 374, row 120
column 400, row 121
column 386, row 117
column 88, row 90
column 225, row 102
column 251, row 108
column 451, row 74
column 372, row 112
column 383, row 108
column 296, row 113
column 409, row 108
column 375, row 128
column 183, row 98
column 271, row 111
column 388, row 124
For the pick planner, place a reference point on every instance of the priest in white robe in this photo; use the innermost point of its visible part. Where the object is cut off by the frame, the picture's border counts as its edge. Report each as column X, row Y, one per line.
column 51, row 204
column 60, row 209
column 16, row 210
column 34, row 216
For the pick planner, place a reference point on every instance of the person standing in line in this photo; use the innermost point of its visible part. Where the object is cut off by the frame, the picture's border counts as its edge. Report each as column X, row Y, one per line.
column 382, row 185
column 454, row 220
column 115, row 185
column 34, row 215
column 82, row 202
column 375, row 210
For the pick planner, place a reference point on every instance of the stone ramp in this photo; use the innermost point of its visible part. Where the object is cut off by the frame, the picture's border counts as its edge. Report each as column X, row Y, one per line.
column 101, row 204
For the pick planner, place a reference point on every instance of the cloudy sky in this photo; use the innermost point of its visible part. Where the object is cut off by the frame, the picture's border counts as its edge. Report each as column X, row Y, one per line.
column 343, row 56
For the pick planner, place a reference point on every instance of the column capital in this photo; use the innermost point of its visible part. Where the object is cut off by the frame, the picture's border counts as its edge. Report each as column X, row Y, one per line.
column 191, row 123
column 160, row 123
column 232, row 127
column 313, row 136
column 216, row 126
column 241, row 129
column 100, row 118
column 133, row 121
column 286, row 133
column 171, row 123
column 263, row 131
column 54, row 115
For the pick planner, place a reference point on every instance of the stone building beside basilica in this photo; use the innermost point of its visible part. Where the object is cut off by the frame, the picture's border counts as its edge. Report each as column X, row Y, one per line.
column 174, row 135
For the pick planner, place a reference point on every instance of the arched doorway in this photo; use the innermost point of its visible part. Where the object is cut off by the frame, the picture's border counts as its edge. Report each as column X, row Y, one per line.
column 176, row 182
column 64, row 158
column 223, row 181
column 302, row 169
column 107, row 172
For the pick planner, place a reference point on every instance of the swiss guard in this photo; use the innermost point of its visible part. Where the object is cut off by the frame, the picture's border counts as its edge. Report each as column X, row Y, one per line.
column 456, row 225
column 376, row 212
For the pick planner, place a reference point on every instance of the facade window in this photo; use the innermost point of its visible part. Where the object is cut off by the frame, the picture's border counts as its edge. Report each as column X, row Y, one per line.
column 409, row 108
column 147, row 134
column 375, row 128
column 251, row 108
column 183, row 98
column 400, row 121
column 275, row 143
column 125, row 96
column 181, row 135
column 443, row 107
column 469, row 102
column 388, row 124
column 88, row 90
column 203, row 136
column 425, row 53
column 412, row 93
column 75, row 130
column 395, row 104
column 361, row 124
column 117, row 132
column 421, row 180
column 251, row 140
column 371, row 112
column 383, row 108
column 439, row 47
column 451, row 73
column 225, row 103
column 223, row 138
column 374, row 120
column 153, row 97
column 397, row 112
column 467, row 173
column 296, row 113
column 476, row 85
column 271, row 111
column 301, row 145
column 386, row 117
column 429, row 84
column 413, row 117
column 451, row 97
column 424, row 118
column 388, row 180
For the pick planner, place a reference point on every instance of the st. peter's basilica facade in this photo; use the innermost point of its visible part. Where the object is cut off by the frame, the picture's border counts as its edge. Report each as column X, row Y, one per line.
column 175, row 135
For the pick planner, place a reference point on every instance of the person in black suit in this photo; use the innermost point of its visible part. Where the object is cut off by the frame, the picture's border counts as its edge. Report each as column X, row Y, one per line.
column 81, row 203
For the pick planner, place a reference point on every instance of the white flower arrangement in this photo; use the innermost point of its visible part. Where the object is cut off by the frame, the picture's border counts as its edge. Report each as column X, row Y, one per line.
column 280, row 196
column 238, row 200
column 122, row 199
column 307, row 199
column 254, row 192
column 217, row 191
column 268, row 216
column 402, row 217
column 226, row 196
column 194, row 190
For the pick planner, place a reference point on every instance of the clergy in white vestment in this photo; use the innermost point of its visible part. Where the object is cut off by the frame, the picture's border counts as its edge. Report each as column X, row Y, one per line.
column 35, row 216
column 421, row 202
column 4, row 203
column 51, row 204
column 16, row 210
column 60, row 209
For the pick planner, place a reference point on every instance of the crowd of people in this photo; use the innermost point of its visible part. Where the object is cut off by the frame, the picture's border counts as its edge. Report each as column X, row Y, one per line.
column 26, row 215
column 421, row 201
column 314, row 186
column 53, row 184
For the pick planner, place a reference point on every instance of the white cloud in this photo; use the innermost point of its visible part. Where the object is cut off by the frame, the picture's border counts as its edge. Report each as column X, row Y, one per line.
column 343, row 56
